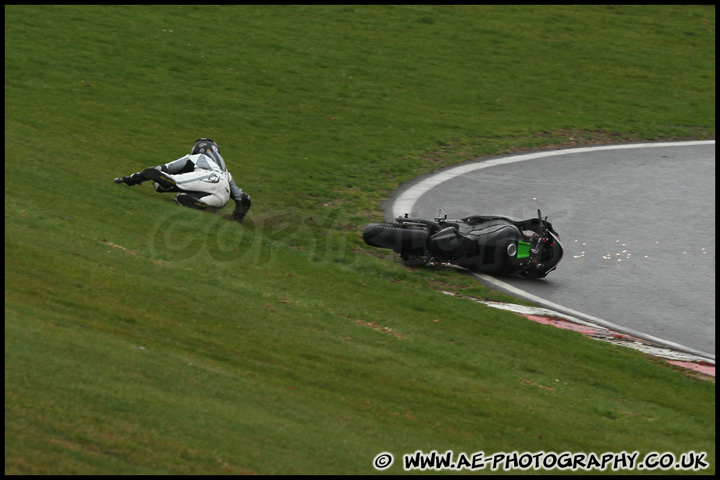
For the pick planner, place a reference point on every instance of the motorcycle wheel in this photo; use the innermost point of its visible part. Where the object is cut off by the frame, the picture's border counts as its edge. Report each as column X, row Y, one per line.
column 399, row 239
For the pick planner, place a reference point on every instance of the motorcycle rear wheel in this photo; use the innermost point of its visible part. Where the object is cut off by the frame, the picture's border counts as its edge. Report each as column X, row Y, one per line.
column 397, row 238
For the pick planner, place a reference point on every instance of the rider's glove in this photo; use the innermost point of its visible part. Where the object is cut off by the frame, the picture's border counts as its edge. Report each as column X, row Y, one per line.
column 241, row 207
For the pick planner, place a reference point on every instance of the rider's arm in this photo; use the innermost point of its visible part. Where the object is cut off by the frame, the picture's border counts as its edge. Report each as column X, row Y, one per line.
column 236, row 192
column 242, row 199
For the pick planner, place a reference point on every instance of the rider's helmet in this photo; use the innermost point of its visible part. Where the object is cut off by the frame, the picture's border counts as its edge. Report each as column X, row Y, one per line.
column 203, row 145
column 209, row 148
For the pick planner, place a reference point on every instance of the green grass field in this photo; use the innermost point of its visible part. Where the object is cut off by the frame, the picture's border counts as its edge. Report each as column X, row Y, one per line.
column 144, row 338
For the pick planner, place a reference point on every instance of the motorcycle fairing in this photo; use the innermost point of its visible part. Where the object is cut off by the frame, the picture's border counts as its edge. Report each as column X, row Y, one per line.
column 532, row 224
column 480, row 247
column 523, row 250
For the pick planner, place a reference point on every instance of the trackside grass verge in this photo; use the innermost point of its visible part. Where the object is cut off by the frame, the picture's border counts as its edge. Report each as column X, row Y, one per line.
column 143, row 338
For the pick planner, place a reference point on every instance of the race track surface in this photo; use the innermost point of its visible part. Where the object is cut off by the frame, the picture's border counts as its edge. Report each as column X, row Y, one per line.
column 637, row 223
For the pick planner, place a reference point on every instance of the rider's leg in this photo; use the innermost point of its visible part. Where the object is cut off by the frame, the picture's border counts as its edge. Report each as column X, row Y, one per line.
column 202, row 189
column 166, row 177
column 181, row 165
column 165, row 181
column 158, row 174
column 199, row 200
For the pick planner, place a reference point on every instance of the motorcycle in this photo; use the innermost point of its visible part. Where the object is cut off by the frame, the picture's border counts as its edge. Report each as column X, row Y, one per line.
column 490, row 244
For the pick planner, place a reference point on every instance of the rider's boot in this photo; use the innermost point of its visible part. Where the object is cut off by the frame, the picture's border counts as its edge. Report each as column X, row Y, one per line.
column 187, row 200
column 134, row 179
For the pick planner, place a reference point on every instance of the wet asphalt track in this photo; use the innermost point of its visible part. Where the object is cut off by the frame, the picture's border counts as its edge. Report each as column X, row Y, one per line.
column 637, row 223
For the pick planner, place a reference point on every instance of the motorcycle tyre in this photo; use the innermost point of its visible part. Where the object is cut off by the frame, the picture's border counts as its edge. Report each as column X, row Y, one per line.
column 395, row 238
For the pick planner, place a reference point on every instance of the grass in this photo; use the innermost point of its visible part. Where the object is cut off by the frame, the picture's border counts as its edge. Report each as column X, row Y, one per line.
column 141, row 338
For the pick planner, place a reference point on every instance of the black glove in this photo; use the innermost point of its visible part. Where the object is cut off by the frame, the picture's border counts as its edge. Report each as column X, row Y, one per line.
column 241, row 207
column 238, row 214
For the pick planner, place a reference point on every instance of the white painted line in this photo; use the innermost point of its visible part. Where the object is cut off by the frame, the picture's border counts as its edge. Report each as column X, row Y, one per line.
column 406, row 201
column 499, row 284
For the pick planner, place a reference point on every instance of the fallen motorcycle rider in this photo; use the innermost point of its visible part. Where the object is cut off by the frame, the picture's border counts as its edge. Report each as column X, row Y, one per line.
column 200, row 179
column 490, row 244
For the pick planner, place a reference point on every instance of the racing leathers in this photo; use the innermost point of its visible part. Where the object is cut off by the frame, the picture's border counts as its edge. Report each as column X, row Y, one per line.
column 201, row 180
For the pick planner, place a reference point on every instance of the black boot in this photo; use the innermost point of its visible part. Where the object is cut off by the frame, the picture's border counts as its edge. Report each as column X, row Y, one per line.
column 187, row 200
column 134, row 179
column 157, row 175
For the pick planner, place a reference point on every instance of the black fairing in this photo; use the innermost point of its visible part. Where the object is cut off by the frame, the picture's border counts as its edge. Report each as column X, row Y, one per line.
column 484, row 244
column 481, row 247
